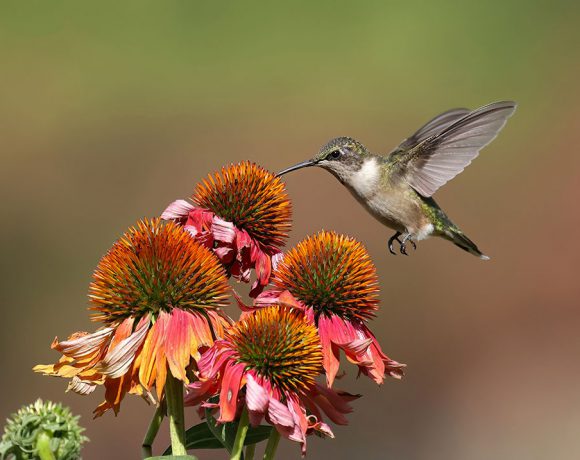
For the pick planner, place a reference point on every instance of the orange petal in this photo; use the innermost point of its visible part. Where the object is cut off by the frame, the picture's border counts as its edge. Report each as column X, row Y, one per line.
column 123, row 348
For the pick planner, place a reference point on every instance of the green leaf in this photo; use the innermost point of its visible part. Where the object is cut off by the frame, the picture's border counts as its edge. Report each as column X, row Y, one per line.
column 201, row 436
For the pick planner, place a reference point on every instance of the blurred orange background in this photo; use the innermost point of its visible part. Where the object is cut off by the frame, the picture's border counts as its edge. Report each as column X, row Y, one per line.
column 110, row 111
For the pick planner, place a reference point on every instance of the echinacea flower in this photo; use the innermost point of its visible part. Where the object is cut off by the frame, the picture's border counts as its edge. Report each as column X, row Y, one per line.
column 159, row 293
column 269, row 361
column 243, row 214
column 332, row 278
column 42, row 429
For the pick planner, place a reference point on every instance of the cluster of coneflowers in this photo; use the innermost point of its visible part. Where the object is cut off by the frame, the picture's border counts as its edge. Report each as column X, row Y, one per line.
column 160, row 294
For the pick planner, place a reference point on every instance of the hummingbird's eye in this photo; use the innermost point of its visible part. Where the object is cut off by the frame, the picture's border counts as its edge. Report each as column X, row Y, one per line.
column 333, row 155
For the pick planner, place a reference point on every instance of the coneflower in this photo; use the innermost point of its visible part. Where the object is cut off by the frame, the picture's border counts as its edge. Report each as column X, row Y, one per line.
column 159, row 293
column 243, row 213
column 332, row 278
column 265, row 367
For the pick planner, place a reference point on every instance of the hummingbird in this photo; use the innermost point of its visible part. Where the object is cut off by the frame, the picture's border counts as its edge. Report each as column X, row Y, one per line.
column 397, row 188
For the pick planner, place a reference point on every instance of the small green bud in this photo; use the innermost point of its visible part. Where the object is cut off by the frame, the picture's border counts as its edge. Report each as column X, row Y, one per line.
column 42, row 430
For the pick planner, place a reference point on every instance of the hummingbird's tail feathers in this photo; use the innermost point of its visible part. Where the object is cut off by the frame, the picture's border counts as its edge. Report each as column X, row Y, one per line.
column 460, row 240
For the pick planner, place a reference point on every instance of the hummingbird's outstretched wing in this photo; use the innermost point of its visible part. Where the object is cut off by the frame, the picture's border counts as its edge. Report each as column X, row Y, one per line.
column 432, row 127
column 442, row 156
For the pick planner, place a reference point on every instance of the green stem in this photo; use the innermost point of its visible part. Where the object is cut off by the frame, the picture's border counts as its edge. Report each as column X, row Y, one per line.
column 43, row 447
column 147, row 446
column 272, row 445
column 250, row 452
column 174, row 399
column 243, row 427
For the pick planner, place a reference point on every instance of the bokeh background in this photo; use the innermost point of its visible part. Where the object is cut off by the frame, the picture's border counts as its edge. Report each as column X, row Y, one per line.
column 109, row 111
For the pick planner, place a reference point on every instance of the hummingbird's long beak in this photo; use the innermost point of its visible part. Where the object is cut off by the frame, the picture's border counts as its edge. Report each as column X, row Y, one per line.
column 301, row 165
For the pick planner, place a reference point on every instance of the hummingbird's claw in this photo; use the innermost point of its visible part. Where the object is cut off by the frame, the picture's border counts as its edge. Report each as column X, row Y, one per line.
column 393, row 238
column 402, row 243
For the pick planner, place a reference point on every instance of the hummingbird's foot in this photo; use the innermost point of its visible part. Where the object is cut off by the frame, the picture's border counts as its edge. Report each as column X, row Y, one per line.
column 395, row 237
column 407, row 238
column 402, row 243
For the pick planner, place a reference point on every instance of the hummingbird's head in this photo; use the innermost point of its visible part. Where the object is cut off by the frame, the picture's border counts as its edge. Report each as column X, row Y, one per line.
column 342, row 156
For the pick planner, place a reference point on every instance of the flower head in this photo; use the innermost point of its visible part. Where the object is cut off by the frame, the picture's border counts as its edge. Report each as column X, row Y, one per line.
column 39, row 423
column 243, row 213
column 332, row 278
column 333, row 274
column 159, row 293
column 270, row 359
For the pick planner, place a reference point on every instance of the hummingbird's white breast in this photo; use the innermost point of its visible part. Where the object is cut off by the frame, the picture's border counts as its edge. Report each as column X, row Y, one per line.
column 366, row 180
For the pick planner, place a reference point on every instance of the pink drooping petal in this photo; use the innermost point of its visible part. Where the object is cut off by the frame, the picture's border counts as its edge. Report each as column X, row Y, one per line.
column 338, row 398
column 357, row 346
column 118, row 359
column 225, row 254
column 212, row 361
column 223, row 230
column 241, row 303
column 256, row 397
column 267, row 298
column 300, row 422
column 244, row 241
column 276, row 259
column 200, row 218
column 231, row 381
column 200, row 390
column 279, row 414
column 330, row 353
column 177, row 210
column 256, row 288
column 277, row 297
column 82, row 345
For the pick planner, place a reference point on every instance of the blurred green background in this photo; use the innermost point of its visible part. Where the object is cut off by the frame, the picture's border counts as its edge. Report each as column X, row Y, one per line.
column 109, row 111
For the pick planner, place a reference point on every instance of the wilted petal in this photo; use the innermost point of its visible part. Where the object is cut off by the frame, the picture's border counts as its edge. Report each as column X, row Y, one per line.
column 357, row 346
column 300, row 422
column 115, row 390
column 83, row 344
column 178, row 346
column 229, row 391
column 224, row 253
column 81, row 387
column 199, row 390
column 201, row 334
column 330, row 353
column 256, row 397
column 243, row 241
column 118, row 359
column 279, row 414
column 276, row 259
column 179, row 209
column 149, row 352
column 223, row 230
column 219, row 322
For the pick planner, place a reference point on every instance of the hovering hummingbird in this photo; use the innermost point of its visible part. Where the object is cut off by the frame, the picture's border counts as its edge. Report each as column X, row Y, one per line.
column 397, row 188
